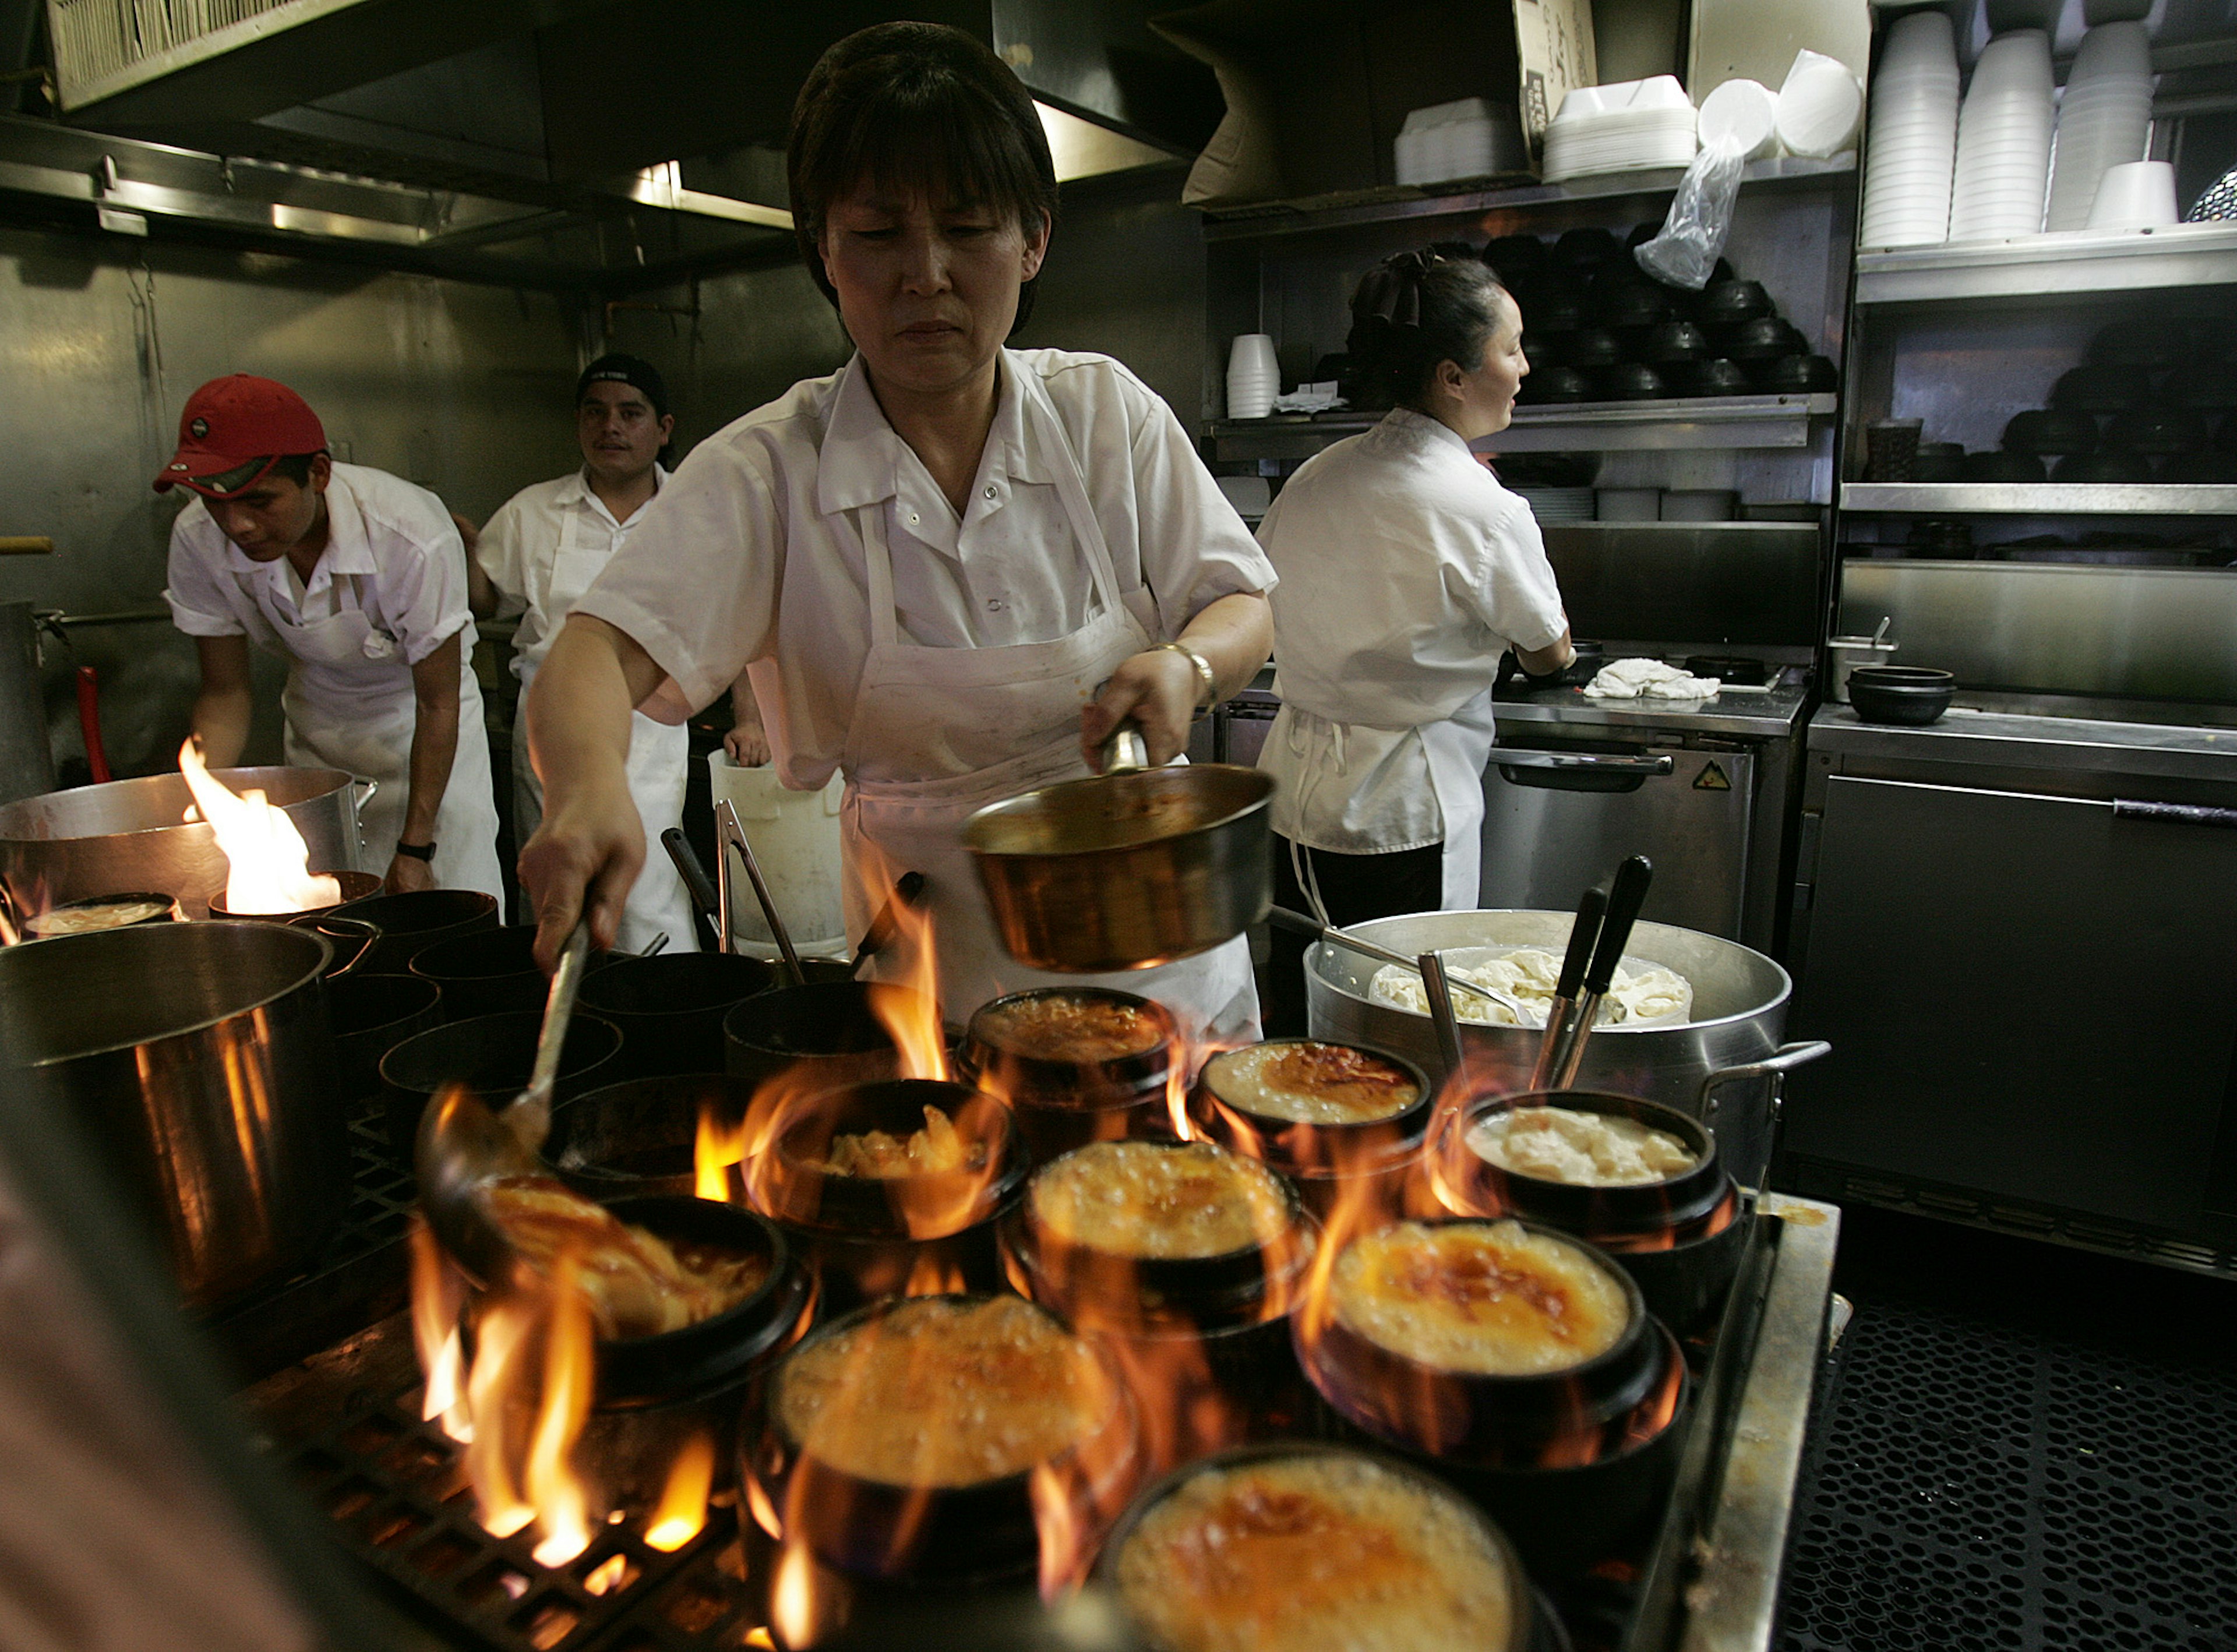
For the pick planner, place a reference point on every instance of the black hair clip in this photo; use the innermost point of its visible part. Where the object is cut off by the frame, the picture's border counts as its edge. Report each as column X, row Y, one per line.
column 1392, row 291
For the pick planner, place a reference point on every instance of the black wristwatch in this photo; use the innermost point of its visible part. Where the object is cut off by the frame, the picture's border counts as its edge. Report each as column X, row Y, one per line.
column 417, row 851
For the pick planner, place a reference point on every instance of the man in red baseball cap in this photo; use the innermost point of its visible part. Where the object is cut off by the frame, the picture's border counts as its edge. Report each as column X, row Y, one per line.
column 357, row 579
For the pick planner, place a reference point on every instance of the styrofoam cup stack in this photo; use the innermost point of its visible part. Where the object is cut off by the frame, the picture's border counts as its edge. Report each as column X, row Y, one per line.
column 1913, row 149
column 2003, row 140
column 2138, row 195
column 2104, row 118
column 1742, row 114
column 1820, row 105
column 1253, row 379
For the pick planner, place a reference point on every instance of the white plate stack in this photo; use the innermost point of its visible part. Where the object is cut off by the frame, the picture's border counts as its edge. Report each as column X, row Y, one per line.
column 1627, row 127
column 1914, row 135
column 1446, row 141
column 2003, row 140
column 1253, row 379
column 1558, row 504
column 2104, row 119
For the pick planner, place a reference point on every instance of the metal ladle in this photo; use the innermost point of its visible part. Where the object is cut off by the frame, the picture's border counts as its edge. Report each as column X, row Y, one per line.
column 463, row 1146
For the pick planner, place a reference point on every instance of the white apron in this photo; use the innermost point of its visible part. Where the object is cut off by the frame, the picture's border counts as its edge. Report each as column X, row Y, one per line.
column 658, row 766
column 350, row 706
column 938, row 733
column 1458, row 748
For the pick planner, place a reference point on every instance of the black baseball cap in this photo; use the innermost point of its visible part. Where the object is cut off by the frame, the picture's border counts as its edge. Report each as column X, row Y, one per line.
column 630, row 370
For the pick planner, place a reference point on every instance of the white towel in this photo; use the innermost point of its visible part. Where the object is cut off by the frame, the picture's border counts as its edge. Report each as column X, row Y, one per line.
column 1648, row 679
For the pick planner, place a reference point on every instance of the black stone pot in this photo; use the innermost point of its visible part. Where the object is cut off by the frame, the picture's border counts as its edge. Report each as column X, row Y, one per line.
column 491, row 972
column 1061, row 1105
column 823, row 1034
column 864, row 1237
column 670, row 1007
column 411, row 923
column 638, row 1136
column 371, row 1015
column 1322, row 1160
column 494, row 1055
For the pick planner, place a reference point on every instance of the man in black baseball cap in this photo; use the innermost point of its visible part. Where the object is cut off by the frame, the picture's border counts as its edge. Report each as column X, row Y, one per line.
column 541, row 552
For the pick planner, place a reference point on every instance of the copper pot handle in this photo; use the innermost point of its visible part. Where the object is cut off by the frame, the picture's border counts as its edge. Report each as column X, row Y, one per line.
column 1125, row 752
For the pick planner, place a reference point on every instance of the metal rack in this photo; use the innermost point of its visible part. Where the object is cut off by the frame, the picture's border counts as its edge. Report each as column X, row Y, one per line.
column 2067, row 265
column 1687, row 425
column 2038, row 499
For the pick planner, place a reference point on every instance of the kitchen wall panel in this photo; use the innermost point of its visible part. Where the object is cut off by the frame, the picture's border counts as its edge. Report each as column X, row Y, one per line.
column 462, row 389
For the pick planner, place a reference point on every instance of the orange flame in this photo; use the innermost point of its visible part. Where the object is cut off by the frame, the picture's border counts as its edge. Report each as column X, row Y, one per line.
column 438, row 1294
column 716, row 1148
column 269, row 859
column 1062, row 1530
column 21, row 905
column 908, row 959
column 911, row 1018
column 682, row 1509
column 561, row 1502
column 607, row 1576
column 799, row 1612
column 934, row 1275
column 500, row 1346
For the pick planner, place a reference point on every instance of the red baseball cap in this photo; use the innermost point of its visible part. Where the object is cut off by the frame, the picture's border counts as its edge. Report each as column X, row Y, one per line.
column 232, row 422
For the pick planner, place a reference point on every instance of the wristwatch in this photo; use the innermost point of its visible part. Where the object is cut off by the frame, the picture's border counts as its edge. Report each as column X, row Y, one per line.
column 417, row 851
column 1207, row 683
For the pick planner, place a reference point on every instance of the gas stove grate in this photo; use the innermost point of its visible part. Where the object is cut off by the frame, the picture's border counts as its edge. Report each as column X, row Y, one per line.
column 1969, row 1485
column 345, row 1428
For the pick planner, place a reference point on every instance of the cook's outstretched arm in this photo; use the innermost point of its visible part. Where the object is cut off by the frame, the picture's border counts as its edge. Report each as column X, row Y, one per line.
column 590, row 844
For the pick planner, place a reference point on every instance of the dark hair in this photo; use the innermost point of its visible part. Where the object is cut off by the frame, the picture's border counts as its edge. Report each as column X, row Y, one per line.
column 1413, row 311
column 916, row 106
column 294, row 467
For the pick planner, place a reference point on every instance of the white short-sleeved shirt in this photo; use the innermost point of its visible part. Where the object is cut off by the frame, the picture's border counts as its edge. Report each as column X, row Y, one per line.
column 752, row 553
column 1406, row 571
column 531, row 535
column 392, row 540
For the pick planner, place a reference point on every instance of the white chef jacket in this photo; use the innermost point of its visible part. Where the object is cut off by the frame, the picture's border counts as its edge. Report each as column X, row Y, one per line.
column 535, row 532
column 749, row 553
column 1406, row 571
column 392, row 557
column 542, row 550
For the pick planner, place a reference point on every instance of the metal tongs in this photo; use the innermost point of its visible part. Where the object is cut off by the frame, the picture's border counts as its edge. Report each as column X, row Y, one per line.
column 463, row 1146
column 1601, row 933
column 730, row 834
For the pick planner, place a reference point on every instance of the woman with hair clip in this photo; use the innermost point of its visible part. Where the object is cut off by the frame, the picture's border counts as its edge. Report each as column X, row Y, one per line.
column 952, row 567
column 1406, row 571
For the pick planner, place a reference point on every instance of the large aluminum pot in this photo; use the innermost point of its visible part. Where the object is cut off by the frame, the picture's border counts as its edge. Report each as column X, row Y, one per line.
column 130, row 835
column 198, row 1058
column 1739, row 1010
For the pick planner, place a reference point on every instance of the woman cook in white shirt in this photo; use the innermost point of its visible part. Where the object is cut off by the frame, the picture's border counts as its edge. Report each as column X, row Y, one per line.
column 952, row 567
column 1406, row 571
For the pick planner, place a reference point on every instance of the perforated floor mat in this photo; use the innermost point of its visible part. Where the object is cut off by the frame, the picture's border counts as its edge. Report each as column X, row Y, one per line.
column 1973, row 1484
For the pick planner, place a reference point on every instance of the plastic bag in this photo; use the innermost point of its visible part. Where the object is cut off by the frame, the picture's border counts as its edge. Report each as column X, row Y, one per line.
column 1693, row 236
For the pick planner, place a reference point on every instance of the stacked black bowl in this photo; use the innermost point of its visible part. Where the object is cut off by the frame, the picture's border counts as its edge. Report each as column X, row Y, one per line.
column 2154, row 402
column 1597, row 327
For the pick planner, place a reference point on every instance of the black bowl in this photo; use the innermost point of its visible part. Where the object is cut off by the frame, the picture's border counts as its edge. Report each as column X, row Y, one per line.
column 1320, row 1159
column 1060, row 1104
column 411, row 923
column 1558, row 311
column 1996, row 466
column 2101, row 389
column 1765, row 338
column 1512, row 257
column 823, row 1034
column 2057, row 430
column 1730, row 303
column 369, row 1016
column 1545, row 349
column 1617, row 1219
column 2156, row 430
column 1594, row 347
column 1911, row 695
column 640, row 1136
column 1633, row 382
column 1586, row 248
column 1675, row 342
column 2109, row 467
column 2136, row 344
column 2208, row 385
column 1939, row 462
column 1798, row 375
column 495, row 1055
column 2199, row 470
column 1717, row 377
column 645, row 1369
column 1556, row 384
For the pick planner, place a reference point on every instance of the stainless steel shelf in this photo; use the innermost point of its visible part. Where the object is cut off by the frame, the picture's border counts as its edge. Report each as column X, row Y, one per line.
column 1398, row 203
column 1576, row 427
column 2039, row 498
column 2072, row 264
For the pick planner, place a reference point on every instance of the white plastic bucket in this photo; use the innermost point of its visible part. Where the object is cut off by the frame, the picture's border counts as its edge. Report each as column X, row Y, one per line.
column 795, row 839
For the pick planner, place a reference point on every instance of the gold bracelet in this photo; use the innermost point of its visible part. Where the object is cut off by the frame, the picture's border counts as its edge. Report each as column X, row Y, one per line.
column 1203, row 672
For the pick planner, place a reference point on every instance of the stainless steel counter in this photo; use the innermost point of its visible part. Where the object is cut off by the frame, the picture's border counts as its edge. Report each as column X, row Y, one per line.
column 1769, row 716
column 2007, row 739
